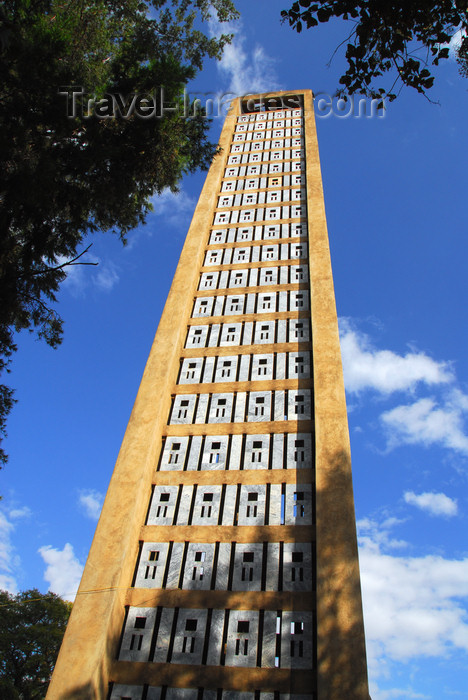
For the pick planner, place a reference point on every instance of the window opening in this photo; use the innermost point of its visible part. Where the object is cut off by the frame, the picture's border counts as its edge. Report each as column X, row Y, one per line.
column 299, row 273
column 150, row 572
column 299, row 405
column 262, row 366
column 215, row 455
column 257, row 451
column 251, row 511
column 162, row 510
column 299, row 508
column 221, row 408
column 299, row 362
column 299, row 330
column 183, row 411
column 259, row 406
column 299, row 301
column 188, row 644
column 297, row 646
column 197, row 335
column 191, row 370
column 299, row 453
column 136, row 642
column 231, row 334
column 226, row 369
column 247, row 571
column 297, row 572
column 206, row 510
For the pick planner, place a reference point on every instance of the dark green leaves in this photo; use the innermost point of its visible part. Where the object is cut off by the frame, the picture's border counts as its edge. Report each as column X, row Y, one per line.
column 32, row 627
column 402, row 39
column 462, row 55
column 63, row 176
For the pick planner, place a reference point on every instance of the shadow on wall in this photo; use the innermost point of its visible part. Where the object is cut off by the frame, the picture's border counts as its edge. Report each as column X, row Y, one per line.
column 341, row 651
column 341, row 656
column 98, row 688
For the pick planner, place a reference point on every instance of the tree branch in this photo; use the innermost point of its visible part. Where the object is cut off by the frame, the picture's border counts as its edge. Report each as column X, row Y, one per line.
column 60, row 267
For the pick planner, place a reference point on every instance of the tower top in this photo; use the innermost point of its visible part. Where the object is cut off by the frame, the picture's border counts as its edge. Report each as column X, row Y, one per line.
column 271, row 102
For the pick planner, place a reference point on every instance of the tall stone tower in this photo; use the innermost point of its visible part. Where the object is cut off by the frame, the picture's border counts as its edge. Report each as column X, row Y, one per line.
column 224, row 564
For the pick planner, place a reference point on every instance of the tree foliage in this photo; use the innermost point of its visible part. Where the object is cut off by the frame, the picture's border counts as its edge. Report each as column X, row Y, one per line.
column 67, row 172
column 462, row 58
column 32, row 626
column 404, row 39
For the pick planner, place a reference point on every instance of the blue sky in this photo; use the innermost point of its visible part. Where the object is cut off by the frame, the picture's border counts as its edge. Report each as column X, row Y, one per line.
column 394, row 194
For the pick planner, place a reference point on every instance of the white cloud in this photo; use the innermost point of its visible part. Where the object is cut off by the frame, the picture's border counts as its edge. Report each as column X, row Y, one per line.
column 77, row 276
column 103, row 275
column 405, row 693
column 7, row 579
column 413, row 606
column 9, row 559
column 455, row 42
column 375, row 537
column 248, row 71
column 425, row 422
column 63, row 572
column 384, row 371
column 433, row 503
column 176, row 207
column 91, row 502
column 23, row 512
column 106, row 276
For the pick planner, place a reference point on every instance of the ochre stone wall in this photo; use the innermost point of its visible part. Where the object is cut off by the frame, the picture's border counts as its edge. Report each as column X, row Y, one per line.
column 87, row 661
